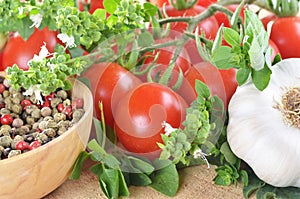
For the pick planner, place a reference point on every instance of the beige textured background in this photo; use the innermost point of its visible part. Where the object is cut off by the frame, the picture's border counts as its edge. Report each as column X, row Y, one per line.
column 196, row 183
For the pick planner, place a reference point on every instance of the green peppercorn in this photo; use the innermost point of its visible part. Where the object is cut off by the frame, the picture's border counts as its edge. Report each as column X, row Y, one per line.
column 4, row 111
column 61, row 130
column 5, row 93
column 30, row 120
column 67, row 102
column 15, row 100
column 50, row 132
column 13, row 153
column 77, row 115
column 36, row 113
column 51, row 124
column 42, row 125
column 17, row 108
column 62, row 94
column 41, row 137
column 46, row 111
column 5, row 141
column 59, row 117
column 5, row 130
column 55, row 101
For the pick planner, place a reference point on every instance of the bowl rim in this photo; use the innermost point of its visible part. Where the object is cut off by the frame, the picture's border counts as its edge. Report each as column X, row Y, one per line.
column 89, row 107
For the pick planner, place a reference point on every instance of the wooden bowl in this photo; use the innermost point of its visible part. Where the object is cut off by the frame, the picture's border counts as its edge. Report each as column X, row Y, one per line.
column 36, row 173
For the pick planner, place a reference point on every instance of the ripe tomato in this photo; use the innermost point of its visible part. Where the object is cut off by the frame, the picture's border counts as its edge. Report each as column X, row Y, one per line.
column 185, row 90
column 206, row 3
column 1, row 58
column 285, row 33
column 164, row 57
column 18, row 51
column 274, row 48
column 160, row 3
column 210, row 75
column 94, row 4
column 93, row 73
column 113, row 82
column 230, row 83
column 267, row 19
column 222, row 18
column 209, row 26
column 139, row 116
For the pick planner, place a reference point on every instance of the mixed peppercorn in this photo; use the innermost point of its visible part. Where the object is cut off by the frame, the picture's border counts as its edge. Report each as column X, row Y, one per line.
column 26, row 124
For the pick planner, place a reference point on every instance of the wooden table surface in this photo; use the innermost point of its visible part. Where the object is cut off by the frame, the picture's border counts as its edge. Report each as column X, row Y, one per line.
column 196, row 182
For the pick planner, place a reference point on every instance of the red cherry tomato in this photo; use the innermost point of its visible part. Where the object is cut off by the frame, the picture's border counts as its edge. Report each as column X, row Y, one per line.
column 94, row 4
column 222, row 18
column 140, row 113
column 185, row 90
column 229, row 81
column 6, row 119
column 209, row 26
column 285, row 33
column 114, row 82
column 18, row 51
column 274, row 48
column 265, row 20
column 1, row 60
column 206, row 3
column 165, row 55
column 160, row 3
column 210, row 75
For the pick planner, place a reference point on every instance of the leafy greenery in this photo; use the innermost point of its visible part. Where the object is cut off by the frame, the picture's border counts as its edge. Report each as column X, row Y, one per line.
column 182, row 143
column 46, row 74
column 248, row 51
column 203, row 135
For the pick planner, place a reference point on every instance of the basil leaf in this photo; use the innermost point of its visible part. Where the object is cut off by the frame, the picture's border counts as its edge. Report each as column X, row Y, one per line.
column 78, row 165
column 166, row 180
column 223, row 58
column 232, row 37
column 261, row 78
column 202, row 89
column 242, row 75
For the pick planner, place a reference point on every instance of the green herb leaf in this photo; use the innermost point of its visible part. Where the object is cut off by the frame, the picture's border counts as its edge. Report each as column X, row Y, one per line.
column 261, row 78
column 243, row 75
column 228, row 154
column 111, row 5
column 218, row 40
column 139, row 179
column 145, row 39
column 150, row 9
column 166, row 179
column 78, row 165
column 23, row 28
column 100, row 14
column 202, row 89
column 223, row 58
column 108, row 179
column 253, row 184
column 232, row 37
column 143, row 166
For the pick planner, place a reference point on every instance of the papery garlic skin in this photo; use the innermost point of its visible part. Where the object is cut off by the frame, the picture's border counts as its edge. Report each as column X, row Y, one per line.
column 257, row 132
